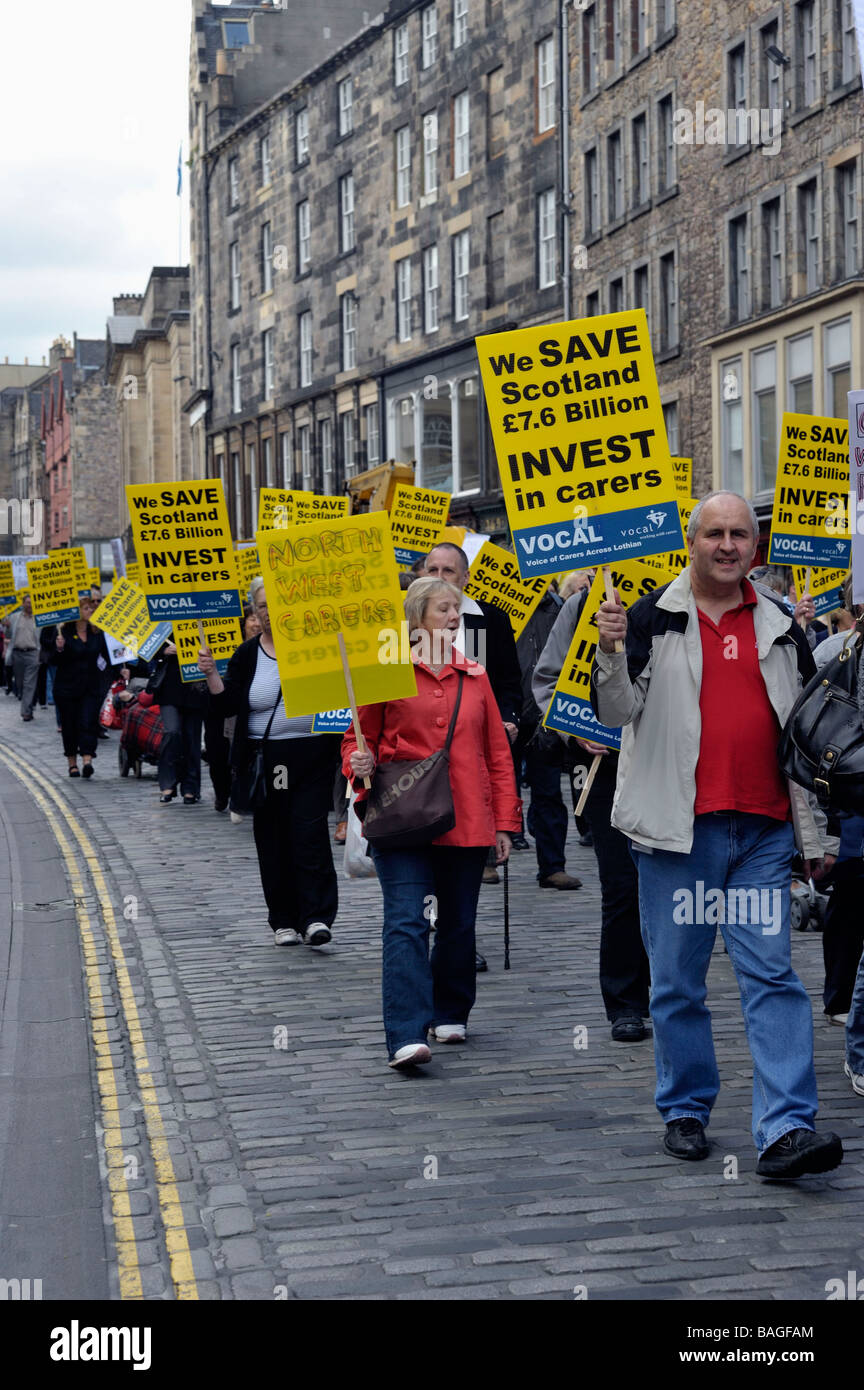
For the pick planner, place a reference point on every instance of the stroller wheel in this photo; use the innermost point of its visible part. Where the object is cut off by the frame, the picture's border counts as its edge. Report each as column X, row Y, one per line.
column 139, row 767
column 123, row 760
column 799, row 914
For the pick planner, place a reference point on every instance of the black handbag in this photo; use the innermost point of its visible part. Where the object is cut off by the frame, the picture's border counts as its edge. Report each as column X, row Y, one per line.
column 411, row 803
column 822, row 745
column 249, row 787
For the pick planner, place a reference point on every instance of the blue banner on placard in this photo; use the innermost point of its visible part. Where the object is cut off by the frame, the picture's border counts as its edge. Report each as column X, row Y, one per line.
column 222, row 603
column 568, row 715
column 408, row 557
column 150, row 646
column 572, row 545
column 810, row 549
column 60, row 615
column 331, row 721
column 828, row 602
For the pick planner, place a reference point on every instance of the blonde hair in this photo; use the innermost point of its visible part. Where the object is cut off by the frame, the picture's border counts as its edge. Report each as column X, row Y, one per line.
column 257, row 583
column 418, row 594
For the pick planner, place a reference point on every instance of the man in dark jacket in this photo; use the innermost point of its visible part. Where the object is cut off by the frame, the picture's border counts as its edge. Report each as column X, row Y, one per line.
column 545, row 756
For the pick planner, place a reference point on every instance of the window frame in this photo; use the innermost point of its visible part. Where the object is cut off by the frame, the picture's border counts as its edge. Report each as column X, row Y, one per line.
column 431, row 288
column 402, row 166
column 266, row 258
column 640, row 195
column 348, row 331
column 461, row 105
column 305, row 350
column 233, row 182
column 347, row 226
column 401, row 56
column 428, row 37
column 460, row 244
column 304, row 240
column 615, row 212
column 430, row 153
column 268, row 354
column 301, row 136
column 265, row 160
column 460, row 23
column 236, row 381
column 548, row 244
column 345, row 109
column 234, row 277
column 544, row 100
column 404, row 294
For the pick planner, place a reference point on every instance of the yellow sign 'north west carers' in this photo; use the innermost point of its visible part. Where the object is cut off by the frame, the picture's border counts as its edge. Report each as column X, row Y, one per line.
column 581, row 444
column 184, row 548
column 326, row 577
column 810, row 521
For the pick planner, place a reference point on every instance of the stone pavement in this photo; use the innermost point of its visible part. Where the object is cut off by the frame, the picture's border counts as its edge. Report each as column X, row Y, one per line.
column 518, row 1166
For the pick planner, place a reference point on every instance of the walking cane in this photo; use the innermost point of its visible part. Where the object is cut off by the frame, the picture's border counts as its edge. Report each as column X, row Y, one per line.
column 506, row 915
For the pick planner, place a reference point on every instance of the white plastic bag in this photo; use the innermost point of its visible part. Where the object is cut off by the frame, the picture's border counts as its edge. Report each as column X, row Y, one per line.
column 356, row 864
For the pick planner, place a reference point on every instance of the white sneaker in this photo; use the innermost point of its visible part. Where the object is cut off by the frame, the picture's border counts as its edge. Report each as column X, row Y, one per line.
column 316, row 934
column 856, row 1079
column 450, row 1033
column 286, row 936
column 411, row 1056
column 839, row 1019
column 235, row 819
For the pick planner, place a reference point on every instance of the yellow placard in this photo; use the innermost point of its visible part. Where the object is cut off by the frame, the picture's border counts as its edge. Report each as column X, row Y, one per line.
column 570, row 709
column 7, row 579
column 308, row 506
column 124, row 616
column 184, row 548
column 674, row 561
column 330, row 576
column 223, row 638
column 417, row 517
column 453, row 535
column 581, row 444
column 682, row 472
column 825, row 588
column 9, row 607
column 810, row 521
column 275, row 508
column 494, row 578
column 54, row 588
column 248, row 566
column 133, row 571
column 94, row 578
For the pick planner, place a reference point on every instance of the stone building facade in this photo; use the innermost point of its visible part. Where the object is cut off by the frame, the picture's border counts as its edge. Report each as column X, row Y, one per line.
column 354, row 232
column 78, row 431
column 717, row 177
column 148, row 374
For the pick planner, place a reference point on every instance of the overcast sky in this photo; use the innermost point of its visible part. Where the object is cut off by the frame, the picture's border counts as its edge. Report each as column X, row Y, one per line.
column 93, row 110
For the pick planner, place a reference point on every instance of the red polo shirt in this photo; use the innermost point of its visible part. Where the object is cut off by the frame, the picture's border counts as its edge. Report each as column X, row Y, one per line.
column 737, row 768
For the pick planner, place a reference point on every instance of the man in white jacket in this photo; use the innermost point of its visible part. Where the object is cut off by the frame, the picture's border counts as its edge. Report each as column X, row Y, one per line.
column 709, row 675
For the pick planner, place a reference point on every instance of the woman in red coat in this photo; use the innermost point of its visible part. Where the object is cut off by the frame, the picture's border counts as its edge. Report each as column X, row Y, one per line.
column 440, row 882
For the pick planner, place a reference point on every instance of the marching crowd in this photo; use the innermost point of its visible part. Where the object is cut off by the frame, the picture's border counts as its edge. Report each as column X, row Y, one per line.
column 693, row 809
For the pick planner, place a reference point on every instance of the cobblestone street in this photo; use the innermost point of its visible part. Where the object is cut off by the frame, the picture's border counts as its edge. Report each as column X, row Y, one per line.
column 518, row 1166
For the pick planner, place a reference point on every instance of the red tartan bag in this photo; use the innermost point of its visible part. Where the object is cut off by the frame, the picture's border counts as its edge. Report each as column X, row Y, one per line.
column 109, row 717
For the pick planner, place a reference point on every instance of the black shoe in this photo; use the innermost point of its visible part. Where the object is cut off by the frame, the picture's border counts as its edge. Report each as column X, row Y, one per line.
column 102, row 733
column 798, row 1152
column 165, row 798
column 686, row 1139
column 87, row 770
column 629, row 1028
column 519, row 842
column 587, row 839
column 480, row 965
column 74, row 772
column 220, row 806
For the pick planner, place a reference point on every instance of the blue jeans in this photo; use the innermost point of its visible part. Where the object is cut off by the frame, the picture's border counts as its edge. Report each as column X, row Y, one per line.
column 420, row 991
column 730, row 851
column 855, row 1025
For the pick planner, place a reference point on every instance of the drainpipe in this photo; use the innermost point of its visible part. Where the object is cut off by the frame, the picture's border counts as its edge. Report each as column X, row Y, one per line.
column 564, row 86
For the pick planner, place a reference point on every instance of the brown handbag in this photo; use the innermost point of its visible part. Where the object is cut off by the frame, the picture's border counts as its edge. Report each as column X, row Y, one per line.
column 411, row 803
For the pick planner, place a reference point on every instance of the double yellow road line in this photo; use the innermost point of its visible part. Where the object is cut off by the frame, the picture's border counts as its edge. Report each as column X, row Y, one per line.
column 57, row 812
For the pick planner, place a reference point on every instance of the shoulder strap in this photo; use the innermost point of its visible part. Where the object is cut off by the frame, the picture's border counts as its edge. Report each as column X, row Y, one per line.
column 450, row 731
column 272, row 714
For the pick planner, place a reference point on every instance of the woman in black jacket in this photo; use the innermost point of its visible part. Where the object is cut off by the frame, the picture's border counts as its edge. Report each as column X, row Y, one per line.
column 183, row 705
column 80, row 656
column 290, row 827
